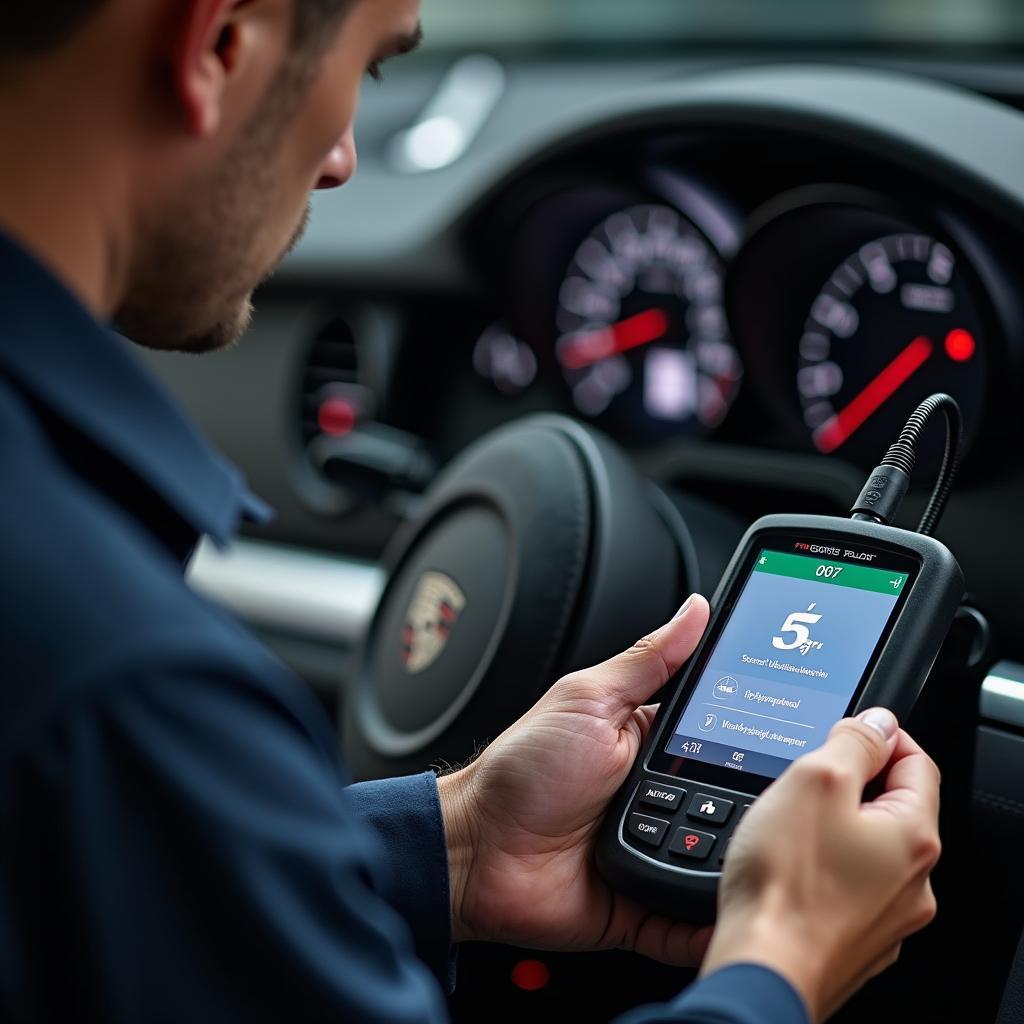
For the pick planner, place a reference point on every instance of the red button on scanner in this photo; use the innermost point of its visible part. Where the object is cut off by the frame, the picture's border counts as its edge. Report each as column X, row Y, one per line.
column 688, row 842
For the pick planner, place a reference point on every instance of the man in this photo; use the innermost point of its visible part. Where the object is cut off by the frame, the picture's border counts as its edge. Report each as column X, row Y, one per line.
column 178, row 839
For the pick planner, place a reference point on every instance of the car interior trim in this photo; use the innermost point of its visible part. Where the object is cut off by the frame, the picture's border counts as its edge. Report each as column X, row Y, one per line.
column 452, row 119
column 919, row 124
column 302, row 594
column 1002, row 694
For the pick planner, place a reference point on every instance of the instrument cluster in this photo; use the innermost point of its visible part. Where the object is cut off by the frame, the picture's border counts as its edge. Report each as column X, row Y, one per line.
column 812, row 320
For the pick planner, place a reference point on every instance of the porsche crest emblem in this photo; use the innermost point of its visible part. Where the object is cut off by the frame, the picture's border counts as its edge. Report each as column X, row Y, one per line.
column 433, row 611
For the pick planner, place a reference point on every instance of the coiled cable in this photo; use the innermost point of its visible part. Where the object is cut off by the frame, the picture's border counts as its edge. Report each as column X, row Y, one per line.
column 889, row 481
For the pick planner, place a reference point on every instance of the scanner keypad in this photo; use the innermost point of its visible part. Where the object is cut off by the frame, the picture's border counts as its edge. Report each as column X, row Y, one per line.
column 698, row 828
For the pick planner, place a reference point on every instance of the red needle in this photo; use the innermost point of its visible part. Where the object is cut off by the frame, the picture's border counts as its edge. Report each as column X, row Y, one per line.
column 836, row 430
column 584, row 349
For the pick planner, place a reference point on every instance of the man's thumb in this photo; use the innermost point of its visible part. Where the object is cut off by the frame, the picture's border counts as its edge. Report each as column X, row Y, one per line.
column 863, row 744
column 633, row 676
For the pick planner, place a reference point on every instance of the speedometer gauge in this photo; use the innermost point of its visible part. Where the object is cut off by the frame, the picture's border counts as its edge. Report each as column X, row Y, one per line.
column 895, row 323
column 643, row 338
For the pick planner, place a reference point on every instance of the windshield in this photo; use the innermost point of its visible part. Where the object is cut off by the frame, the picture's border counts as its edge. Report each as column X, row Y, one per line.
column 498, row 24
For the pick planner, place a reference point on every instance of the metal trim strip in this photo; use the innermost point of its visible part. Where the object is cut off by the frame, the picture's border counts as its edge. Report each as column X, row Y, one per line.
column 304, row 594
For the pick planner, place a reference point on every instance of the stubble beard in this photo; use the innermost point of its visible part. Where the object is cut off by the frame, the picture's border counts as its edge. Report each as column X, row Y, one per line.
column 198, row 261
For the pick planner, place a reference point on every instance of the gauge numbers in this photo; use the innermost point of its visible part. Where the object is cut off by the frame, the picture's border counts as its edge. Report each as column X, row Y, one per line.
column 894, row 323
column 643, row 337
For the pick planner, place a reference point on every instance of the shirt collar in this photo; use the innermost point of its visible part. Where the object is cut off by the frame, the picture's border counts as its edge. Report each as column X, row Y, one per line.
column 86, row 375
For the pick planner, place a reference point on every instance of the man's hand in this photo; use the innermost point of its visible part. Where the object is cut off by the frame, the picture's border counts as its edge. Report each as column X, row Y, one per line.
column 521, row 820
column 822, row 885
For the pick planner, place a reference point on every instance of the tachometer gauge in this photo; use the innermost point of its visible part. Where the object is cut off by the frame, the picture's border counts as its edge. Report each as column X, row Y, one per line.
column 895, row 323
column 643, row 337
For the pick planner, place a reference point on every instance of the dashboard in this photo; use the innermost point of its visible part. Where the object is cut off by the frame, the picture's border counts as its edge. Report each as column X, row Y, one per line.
column 673, row 296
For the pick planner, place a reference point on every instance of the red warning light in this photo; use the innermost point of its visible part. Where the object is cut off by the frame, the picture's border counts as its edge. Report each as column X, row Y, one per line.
column 960, row 345
column 336, row 416
column 530, row 975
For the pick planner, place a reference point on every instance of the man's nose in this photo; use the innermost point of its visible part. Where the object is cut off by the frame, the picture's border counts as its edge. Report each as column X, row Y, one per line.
column 340, row 164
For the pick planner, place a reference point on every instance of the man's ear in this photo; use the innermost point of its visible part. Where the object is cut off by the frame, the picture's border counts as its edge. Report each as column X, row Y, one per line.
column 219, row 42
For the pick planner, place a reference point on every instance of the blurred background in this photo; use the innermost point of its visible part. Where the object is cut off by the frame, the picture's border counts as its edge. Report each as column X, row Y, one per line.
column 470, row 23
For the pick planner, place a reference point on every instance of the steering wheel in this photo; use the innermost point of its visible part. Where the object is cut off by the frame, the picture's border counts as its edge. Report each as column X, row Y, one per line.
column 538, row 551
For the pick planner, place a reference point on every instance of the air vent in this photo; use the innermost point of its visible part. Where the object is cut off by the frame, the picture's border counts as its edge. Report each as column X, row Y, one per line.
column 330, row 383
column 350, row 457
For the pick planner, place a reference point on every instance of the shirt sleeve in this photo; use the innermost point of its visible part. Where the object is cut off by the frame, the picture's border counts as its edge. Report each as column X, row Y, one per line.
column 738, row 994
column 406, row 815
column 195, row 856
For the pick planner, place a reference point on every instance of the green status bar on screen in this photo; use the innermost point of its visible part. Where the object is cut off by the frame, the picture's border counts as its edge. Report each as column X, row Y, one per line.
column 838, row 574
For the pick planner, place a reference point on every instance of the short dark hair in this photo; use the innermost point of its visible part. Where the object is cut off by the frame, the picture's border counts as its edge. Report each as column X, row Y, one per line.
column 34, row 27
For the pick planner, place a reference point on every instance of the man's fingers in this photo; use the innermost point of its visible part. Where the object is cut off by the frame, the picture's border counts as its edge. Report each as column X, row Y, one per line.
column 912, row 778
column 672, row 942
column 857, row 749
column 646, row 716
column 643, row 719
column 631, row 677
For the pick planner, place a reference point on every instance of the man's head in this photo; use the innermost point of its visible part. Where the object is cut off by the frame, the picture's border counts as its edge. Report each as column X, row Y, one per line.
column 218, row 119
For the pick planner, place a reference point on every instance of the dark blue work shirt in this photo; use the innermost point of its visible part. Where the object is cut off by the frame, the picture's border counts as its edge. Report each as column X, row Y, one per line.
column 178, row 839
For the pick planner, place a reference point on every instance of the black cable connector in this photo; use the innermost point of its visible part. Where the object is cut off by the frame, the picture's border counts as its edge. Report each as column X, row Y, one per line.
column 882, row 495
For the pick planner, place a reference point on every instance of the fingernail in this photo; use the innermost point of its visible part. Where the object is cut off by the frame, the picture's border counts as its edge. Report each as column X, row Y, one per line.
column 682, row 608
column 882, row 720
